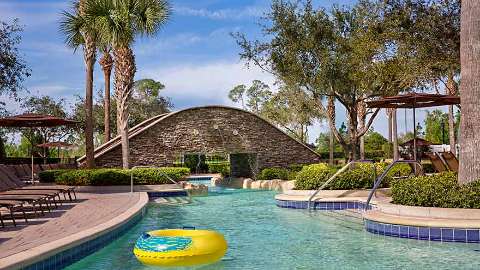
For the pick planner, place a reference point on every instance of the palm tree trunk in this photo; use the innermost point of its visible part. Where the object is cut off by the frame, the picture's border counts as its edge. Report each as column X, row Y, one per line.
column 89, row 51
column 452, row 90
column 124, row 75
column 396, row 155
column 331, row 149
column 362, row 116
column 106, row 62
column 469, row 170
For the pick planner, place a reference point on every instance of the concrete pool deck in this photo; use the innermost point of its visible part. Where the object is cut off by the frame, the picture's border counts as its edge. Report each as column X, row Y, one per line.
column 73, row 222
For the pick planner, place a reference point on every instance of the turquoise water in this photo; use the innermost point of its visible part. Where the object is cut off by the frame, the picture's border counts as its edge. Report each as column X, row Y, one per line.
column 262, row 236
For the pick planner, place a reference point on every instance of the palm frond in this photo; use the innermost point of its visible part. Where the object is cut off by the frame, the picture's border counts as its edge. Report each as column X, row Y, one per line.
column 71, row 25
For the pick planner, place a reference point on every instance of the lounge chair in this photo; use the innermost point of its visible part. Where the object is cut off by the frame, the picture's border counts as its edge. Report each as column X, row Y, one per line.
column 437, row 162
column 14, row 183
column 451, row 161
column 12, row 207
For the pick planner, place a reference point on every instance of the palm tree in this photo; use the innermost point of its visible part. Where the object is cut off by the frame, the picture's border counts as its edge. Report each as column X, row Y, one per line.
column 469, row 170
column 78, row 32
column 118, row 22
column 107, row 63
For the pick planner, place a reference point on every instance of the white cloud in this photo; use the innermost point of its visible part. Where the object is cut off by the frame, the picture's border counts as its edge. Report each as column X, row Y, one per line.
column 33, row 14
column 210, row 81
column 221, row 14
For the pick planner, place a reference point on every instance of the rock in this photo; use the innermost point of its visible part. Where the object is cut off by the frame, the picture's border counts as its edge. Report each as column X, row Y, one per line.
column 200, row 190
column 247, row 183
column 216, row 181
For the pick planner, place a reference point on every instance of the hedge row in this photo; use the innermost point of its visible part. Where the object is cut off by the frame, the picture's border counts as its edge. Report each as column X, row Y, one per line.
column 50, row 175
column 107, row 177
column 359, row 177
column 221, row 168
column 440, row 190
column 280, row 173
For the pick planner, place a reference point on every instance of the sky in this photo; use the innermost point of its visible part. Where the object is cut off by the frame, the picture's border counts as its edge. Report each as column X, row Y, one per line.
column 193, row 55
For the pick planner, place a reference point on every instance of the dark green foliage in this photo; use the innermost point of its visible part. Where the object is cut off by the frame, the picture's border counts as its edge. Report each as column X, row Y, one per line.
column 359, row 177
column 222, row 168
column 273, row 173
column 440, row 190
column 313, row 176
column 104, row 177
column 295, row 167
column 50, row 175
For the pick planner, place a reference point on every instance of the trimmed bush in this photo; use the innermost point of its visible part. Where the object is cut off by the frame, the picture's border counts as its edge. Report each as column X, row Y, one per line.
column 313, row 176
column 222, row 168
column 50, row 175
column 273, row 173
column 440, row 190
column 107, row 177
column 359, row 177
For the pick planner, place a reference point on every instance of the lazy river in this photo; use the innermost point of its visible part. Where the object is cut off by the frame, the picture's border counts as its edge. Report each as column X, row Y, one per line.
column 261, row 235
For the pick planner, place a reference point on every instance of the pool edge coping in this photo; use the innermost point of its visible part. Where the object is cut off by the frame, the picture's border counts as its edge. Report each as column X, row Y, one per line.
column 39, row 253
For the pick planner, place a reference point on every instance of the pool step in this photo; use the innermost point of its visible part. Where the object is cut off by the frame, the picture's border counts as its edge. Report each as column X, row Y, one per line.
column 172, row 200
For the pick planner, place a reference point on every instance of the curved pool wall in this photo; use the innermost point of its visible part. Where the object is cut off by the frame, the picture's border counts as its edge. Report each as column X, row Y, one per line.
column 441, row 234
column 84, row 243
column 428, row 233
column 323, row 205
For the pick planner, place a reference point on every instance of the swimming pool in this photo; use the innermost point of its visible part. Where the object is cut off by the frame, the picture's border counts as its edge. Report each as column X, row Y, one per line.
column 263, row 236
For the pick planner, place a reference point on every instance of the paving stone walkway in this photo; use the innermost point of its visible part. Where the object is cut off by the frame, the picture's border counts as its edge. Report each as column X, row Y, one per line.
column 88, row 211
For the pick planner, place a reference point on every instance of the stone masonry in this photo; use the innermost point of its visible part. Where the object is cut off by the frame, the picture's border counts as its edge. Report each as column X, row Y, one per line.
column 211, row 129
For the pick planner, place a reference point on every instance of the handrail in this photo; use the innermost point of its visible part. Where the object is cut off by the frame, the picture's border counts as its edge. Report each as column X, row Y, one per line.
column 148, row 167
column 382, row 176
column 344, row 168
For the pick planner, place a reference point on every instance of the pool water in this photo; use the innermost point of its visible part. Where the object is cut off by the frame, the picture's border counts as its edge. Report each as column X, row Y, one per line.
column 263, row 236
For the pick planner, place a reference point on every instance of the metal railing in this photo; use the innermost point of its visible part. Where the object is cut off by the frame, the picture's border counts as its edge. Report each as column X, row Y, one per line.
column 343, row 169
column 148, row 167
column 379, row 180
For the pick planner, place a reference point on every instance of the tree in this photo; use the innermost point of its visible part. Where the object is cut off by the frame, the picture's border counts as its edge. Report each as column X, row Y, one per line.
column 338, row 56
column 292, row 110
column 13, row 69
column 107, row 64
column 436, row 127
column 78, row 31
column 252, row 98
column 374, row 141
column 427, row 36
column 469, row 169
column 49, row 106
column 147, row 102
column 134, row 17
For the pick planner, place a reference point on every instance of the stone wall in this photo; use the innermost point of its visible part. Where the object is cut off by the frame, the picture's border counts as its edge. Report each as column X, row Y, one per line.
column 212, row 129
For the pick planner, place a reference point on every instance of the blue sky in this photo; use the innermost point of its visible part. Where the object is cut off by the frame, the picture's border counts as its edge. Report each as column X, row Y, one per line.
column 194, row 54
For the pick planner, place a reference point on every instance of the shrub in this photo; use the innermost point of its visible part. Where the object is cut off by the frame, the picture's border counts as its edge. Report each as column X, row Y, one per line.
column 440, row 190
column 50, row 175
column 103, row 177
column 361, row 176
column 222, row 168
column 295, row 167
column 313, row 176
column 273, row 173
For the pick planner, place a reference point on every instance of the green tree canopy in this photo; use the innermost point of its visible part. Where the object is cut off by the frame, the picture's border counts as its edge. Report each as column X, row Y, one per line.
column 13, row 68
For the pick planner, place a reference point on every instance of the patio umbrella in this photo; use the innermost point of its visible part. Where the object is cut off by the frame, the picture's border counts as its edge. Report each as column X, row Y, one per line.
column 413, row 101
column 58, row 145
column 33, row 120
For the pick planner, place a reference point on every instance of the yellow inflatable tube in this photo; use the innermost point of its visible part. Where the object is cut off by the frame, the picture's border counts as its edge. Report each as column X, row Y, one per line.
column 180, row 247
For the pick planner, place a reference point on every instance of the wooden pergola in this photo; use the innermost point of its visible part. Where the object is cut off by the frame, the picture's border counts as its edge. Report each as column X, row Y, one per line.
column 413, row 101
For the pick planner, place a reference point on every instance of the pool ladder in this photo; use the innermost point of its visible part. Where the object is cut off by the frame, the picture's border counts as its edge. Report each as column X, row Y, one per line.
column 333, row 177
column 377, row 181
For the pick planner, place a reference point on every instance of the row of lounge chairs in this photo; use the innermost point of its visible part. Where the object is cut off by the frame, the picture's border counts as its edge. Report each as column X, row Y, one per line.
column 16, row 197
column 443, row 161
column 24, row 171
